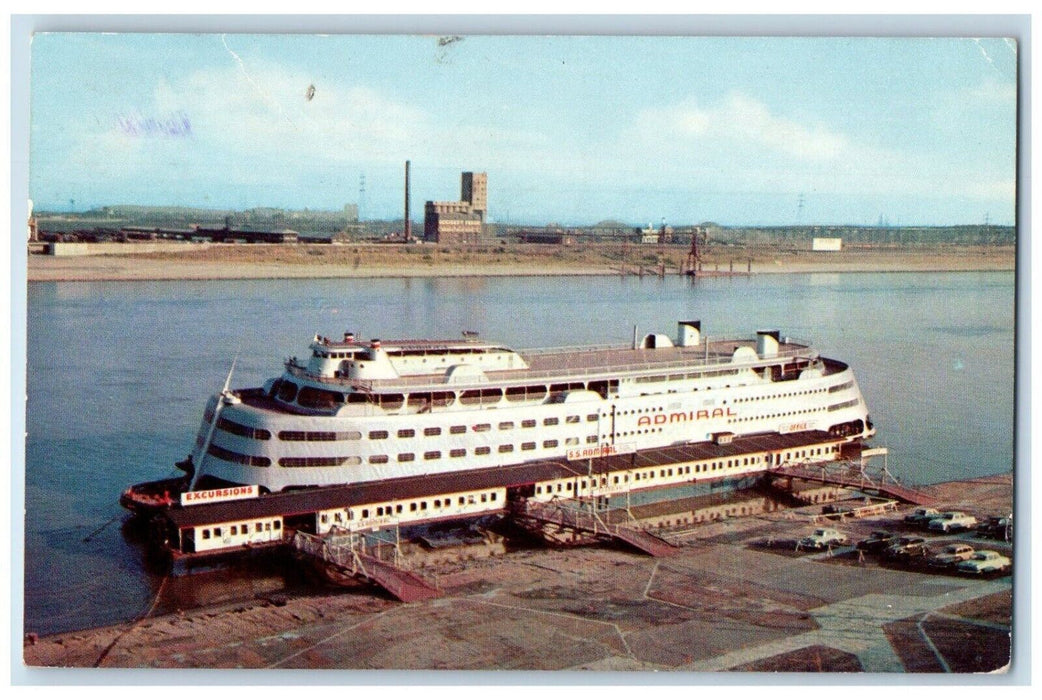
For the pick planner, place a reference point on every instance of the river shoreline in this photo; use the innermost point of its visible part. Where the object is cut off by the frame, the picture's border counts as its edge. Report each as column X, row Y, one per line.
column 214, row 262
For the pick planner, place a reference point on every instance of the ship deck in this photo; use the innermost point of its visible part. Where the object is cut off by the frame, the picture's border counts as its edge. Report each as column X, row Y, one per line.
column 601, row 362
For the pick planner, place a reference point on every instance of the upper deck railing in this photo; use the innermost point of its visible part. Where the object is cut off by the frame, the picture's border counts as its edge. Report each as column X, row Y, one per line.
column 706, row 361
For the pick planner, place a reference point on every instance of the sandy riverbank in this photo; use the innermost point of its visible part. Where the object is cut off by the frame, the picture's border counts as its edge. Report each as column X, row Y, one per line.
column 724, row 602
column 200, row 262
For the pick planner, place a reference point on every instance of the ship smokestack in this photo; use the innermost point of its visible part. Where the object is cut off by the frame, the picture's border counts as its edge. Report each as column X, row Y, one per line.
column 767, row 343
column 408, row 221
column 689, row 333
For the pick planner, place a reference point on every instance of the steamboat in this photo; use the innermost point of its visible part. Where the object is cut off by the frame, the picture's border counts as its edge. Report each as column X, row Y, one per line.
column 364, row 435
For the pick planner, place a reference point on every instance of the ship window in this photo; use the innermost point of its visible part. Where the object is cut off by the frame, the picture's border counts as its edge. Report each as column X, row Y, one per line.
column 412, row 507
column 526, row 393
column 458, row 429
column 437, row 503
column 591, row 439
column 314, row 461
column 229, row 426
column 506, row 425
column 310, row 397
column 572, row 441
column 482, row 450
column 377, row 434
column 549, row 443
column 442, row 398
column 506, row 448
column 481, row 396
column 528, row 423
column 592, row 417
column 527, row 445
column 206, row 533
column 365, row 512
column 492, row 496
column 571, row 419
column 288, row 391
column 458, row 452
column 431, row 431
column 484, row 498
column 482, row 427
column 258, row 527
column 390, row 402
column 461, row 500
column 228, row 455
column 217, row 532
column 378, row 459
column 358, row 397
column 419, row 399
column 406, row 433
column 551, row 421
column 570, row 386
column 433, row 454
column 406, row 457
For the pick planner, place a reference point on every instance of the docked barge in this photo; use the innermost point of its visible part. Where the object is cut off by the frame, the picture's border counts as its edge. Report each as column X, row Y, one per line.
column 370, row 436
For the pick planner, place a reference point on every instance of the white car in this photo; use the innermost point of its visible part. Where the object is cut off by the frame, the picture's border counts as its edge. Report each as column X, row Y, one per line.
column 822, row 538
column 920, row 516
column 985, row 561
column 952, row 520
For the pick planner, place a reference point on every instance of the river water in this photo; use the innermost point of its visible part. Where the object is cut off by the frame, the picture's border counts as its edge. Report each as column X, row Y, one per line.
column 118, row 374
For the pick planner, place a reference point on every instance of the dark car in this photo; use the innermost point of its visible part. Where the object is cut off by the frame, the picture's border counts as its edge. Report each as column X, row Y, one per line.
column 907, row 549
column 877, row 541
column 997, row 527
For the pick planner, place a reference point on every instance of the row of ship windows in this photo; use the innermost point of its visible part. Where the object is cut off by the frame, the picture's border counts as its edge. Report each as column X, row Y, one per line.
column 777, row 415
column 333, row 436
column 692, row 375
column 420, row 506
column 312, row 397
column 781, row 396
column 685, row 470
column 353, row 460
column 627, row 433
column 242, row 529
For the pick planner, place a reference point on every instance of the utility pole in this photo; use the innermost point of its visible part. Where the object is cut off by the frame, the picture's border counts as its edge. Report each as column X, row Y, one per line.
column 361, row 195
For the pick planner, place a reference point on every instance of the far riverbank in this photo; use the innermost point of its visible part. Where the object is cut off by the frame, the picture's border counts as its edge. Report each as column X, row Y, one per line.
column 312, row 261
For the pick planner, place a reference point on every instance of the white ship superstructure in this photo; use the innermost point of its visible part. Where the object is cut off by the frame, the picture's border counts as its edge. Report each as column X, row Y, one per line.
column 356, row 412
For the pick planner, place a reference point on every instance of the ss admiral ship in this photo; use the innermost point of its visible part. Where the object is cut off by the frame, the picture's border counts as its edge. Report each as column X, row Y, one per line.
column 368, row 434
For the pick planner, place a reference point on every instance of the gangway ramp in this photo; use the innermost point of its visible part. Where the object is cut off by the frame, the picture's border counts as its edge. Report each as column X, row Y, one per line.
column 645, row 541
column 578, row 516
column 347, row 556
column 854, row 476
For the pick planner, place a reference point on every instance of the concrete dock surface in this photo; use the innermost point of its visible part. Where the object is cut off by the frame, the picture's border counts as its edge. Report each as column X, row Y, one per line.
column 738, row 596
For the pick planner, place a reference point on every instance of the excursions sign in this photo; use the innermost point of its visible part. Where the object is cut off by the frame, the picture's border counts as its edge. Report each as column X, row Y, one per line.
column 232, row 493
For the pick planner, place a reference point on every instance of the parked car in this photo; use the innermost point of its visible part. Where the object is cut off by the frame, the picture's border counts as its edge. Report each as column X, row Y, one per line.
column 985, row 561
column 822, row 538
column 951, row 521
column 906, row 549
column 921, row 516
column 997, row 527
column 951, row 555
column 877, row 541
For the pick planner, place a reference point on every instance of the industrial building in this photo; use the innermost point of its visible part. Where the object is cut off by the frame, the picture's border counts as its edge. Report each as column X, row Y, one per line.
column 461, row 222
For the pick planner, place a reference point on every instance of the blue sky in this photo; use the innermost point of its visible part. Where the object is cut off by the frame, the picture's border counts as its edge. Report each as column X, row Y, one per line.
column 570, row 129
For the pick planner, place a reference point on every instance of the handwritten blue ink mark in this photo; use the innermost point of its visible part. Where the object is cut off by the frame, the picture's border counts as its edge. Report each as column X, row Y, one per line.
column 175, row 124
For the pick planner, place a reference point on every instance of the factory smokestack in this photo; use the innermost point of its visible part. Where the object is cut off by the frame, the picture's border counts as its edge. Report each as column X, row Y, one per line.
column 408, row 221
